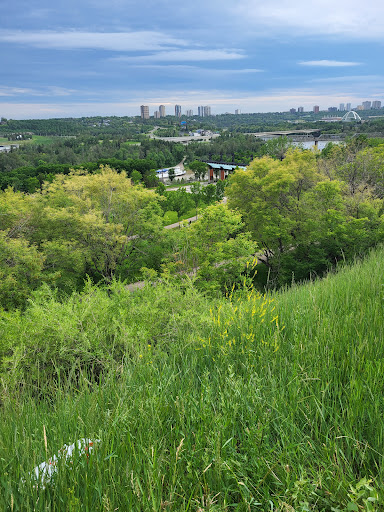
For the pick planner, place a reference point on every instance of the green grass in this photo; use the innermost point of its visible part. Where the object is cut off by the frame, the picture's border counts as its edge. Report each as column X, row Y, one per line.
column 236, row 404
column 170, row 217
column 131, row 143
column 36, row 139
column 178, row 184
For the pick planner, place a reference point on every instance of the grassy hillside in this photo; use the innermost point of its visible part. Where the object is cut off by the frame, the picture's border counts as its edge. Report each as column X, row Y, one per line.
column 249, row 403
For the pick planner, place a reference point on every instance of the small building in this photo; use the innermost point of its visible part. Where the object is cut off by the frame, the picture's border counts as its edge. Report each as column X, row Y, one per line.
column 221, row 170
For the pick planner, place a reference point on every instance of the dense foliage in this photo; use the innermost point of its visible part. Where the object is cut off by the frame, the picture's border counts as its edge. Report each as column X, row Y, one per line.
column 29, row 166
column 308, row 213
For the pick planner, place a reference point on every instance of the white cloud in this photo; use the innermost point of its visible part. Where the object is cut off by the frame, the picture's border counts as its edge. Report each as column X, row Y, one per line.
column 113, row 41
column 190, row 72
column 49, row 90
column 329, row 63
column 185, row 68
column 186, row 55
column 14, row 91
column 350, row 79
column 347, row 18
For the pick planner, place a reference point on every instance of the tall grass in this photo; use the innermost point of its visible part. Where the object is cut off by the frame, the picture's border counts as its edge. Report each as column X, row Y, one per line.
column 247, row 403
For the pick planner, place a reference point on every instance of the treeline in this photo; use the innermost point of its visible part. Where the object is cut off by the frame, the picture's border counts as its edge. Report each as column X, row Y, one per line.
column 308, row 212
column 238, row 148
column 29, row 166
column 30, row 179
column 76, row 150
column 76, row 126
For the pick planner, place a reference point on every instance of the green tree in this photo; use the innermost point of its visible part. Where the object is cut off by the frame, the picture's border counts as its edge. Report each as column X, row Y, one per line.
column 109, row 220
column 196, row 192
column 209, row 193
column 214, row 248
column 306, row 221
column 171, row 174
column 179, row 201
column 277, row 147
column 220, row 188
column 161, row 189
column 21, row 267
column 198, row 168
column 270, row 194
column 136, row 176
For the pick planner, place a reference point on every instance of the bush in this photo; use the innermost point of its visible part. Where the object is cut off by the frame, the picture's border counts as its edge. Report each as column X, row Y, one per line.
column 90, row 332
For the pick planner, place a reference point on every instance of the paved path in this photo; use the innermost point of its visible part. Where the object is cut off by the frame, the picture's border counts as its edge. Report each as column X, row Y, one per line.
column 177, row 224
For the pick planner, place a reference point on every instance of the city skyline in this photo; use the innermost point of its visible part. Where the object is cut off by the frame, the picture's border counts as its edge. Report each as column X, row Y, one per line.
column 204, row 111
column 91, row 58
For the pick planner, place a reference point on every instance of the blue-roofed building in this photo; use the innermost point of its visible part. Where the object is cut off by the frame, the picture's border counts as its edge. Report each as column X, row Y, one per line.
column 219, row 170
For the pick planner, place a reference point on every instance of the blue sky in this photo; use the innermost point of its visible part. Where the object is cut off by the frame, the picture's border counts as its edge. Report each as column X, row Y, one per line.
column 95, row 57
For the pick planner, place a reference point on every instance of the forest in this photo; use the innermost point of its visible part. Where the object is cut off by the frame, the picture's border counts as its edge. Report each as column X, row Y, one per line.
column 233, row 363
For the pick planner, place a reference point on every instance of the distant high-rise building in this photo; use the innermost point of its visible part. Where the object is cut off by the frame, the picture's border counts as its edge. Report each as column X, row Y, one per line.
column 316, row 109
column 237, row 111
column 189, row 113
column 366, row 105
column 200, row 111
column 341, row 107
column 359, row 107
column 144, row 112
column 376, row 104
column 292, row 111
column 332, row 109
column 207, row 111
column 162, row 110
column 178, row 110
column 300, row 109
column 156, row 114
column 348, row 106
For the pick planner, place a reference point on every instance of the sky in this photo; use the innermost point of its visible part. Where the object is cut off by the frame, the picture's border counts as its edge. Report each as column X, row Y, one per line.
column 96, row 57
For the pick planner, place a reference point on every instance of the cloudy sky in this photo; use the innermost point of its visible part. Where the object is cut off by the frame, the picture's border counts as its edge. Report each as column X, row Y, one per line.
column 97, row 57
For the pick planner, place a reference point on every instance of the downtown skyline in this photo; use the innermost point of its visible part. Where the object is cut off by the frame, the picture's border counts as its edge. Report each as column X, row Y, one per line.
column 87, row 59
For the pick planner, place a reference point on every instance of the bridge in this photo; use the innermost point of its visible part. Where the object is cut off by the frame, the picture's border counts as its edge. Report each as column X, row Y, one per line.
column 288, row 133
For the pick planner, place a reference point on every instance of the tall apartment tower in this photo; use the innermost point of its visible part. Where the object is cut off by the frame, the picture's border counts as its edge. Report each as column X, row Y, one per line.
column 316, row 109
column 200, row 111
column 189, row 113
column 162, row 110
column 341, row 107
column 300, row 109
column 156, row 114
column 348, row 106
column 144, row 112
column 178, row 110
column 207, row 111
column 237, row 111
column 376, row 104
column 366, row 105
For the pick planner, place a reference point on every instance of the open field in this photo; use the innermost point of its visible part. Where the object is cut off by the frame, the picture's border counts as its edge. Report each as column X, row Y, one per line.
column 36, row 139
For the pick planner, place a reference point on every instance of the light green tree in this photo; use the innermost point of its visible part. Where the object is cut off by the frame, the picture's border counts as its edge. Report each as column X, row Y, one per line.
column 213, row 249
column 196, row 192
column 21, row 268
